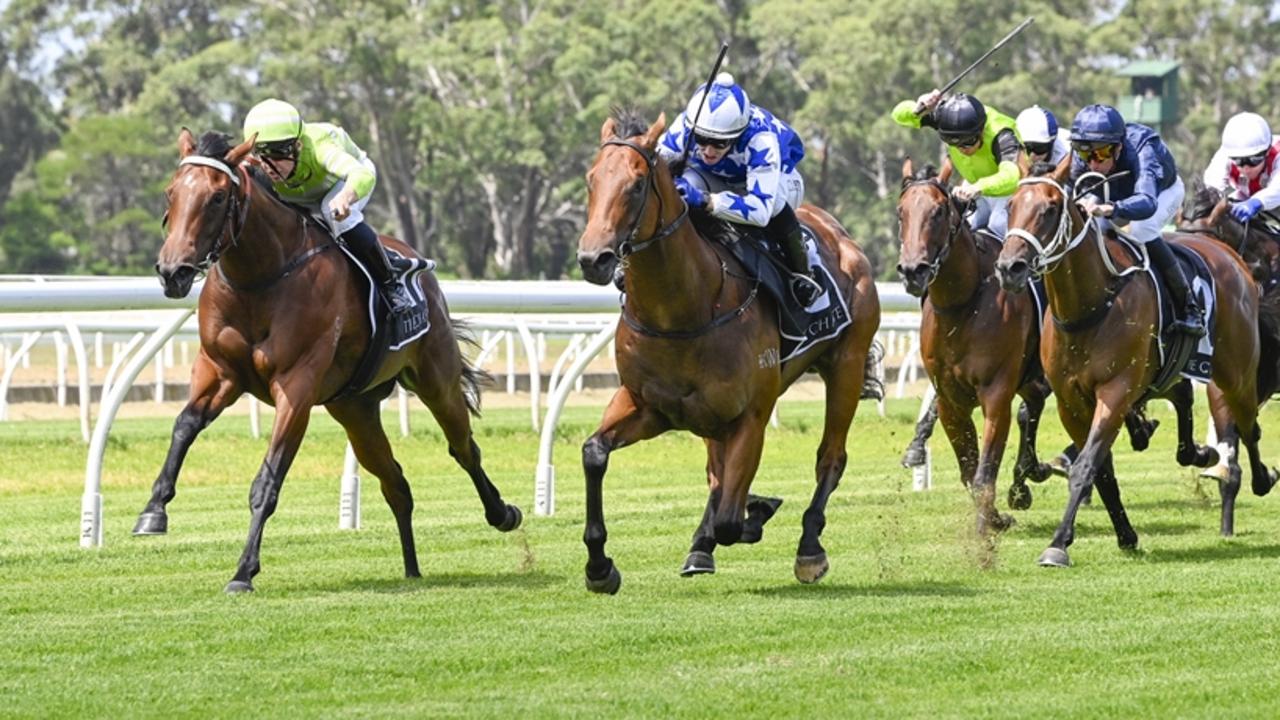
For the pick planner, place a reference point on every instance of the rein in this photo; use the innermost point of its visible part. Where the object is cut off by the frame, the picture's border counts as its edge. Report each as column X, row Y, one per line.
column 234, row 230
column 631, row 245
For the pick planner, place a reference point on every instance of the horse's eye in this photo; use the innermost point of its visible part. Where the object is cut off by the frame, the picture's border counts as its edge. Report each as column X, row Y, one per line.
column 636, row 187
column 219, row 197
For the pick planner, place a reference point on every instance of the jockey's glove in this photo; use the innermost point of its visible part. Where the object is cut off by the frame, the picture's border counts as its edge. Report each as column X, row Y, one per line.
column 1244, row 211
column 693, row 195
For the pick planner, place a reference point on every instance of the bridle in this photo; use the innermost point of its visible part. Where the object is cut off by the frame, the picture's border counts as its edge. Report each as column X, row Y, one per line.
column 232, row 225
column 631, row 244
column 1049, row 254
column 935, row 265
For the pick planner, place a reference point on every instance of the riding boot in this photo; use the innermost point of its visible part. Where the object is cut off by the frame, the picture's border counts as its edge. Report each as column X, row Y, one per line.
column 784, row 229
column 1191, row 321
column 363, row 241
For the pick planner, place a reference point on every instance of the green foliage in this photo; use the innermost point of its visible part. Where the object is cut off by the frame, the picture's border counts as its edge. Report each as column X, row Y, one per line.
column 482, row 117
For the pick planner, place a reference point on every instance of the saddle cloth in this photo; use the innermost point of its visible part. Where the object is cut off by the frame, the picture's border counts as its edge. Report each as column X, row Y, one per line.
column 1199, row 364
column 800, row 328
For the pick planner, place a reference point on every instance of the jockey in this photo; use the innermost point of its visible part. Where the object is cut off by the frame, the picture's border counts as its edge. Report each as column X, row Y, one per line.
column 1043, row 140
column 983, row 147
column 742, row 169
column 319, row 167
column 1247, row 166
column 1144, row 190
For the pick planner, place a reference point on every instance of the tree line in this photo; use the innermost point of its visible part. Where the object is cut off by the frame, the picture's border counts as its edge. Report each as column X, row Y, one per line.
column 482, row 117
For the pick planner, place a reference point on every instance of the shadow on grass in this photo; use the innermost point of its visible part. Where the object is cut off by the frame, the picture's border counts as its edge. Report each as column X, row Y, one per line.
column 829, row 591
column 513, row 580
column 1225, row 550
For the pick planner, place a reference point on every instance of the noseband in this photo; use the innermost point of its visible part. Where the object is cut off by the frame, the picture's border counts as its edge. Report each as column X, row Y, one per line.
column 232, row 225
column 631, row 244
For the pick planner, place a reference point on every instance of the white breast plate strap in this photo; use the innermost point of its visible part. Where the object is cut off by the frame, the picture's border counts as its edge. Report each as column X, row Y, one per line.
column 210, row 162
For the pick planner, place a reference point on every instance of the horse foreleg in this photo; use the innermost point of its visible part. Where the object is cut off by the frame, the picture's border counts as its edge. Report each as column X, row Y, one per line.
column 211, row 393
column 700, row 560
column 995, row 434
column 957, row 421
column 624, row 423
column 1101, row 434
column 362, row 419
column 915, row 452
column 1189, row 451
column 1028, row 465
column 1109, row 491
column 290, row 425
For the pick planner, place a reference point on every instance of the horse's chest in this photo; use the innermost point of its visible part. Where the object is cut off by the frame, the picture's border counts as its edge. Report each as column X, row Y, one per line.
column 699, row 394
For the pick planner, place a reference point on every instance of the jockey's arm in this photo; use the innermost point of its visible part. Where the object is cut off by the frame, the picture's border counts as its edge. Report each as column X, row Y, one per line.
column 1142, row 203
column 764, row 175
column 904, row 113
column 671, row 146
column 1269, row 194
column 1005, row 179
column 340, row 160
column 1218, row 174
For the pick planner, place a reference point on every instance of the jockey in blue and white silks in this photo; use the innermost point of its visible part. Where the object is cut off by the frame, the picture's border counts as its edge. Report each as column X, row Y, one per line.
column 742, row 169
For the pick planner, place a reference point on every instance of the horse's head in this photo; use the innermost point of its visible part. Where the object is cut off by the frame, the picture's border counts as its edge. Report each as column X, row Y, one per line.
column 1040, row 214
column 620, row 184
column 206, row 203
column 928, row 221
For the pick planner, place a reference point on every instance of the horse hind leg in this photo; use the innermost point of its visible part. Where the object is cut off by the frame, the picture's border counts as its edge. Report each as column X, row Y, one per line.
column 1028, row 465
column 210, row 395
column 1190, row 453
column 448, row 405
column 361, row 418
column 1243, row 409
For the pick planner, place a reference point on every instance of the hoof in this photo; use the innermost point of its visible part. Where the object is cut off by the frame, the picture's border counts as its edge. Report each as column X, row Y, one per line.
column 1054, row 557
column 1020, row 497
column 609, row 584
column 1262, row 485
column 513, row 520
column 914, row 457
column 235, row 587
column 698, row 563
column 151, row 523
column 1217, row 472
column 811, row 568
column 1060, row 466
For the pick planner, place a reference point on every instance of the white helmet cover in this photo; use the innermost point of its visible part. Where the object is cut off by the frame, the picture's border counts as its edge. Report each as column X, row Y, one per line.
column 1246, row 134
column 1034, row 125
column 726, row 112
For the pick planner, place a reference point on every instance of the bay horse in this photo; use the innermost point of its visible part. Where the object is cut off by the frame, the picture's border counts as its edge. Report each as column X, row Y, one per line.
column 1206, row 213
column 1100, row 352
column 698, row 349
column 979, row 343
column 283, row 317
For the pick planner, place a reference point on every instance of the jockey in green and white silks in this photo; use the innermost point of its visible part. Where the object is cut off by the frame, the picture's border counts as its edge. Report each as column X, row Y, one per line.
column 983, row 146
column 742, row 169
column 319, row 167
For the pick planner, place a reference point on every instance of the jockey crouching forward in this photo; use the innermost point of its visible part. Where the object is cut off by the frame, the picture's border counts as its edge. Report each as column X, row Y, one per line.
column 1247, row 166
column 742, row 169
column 983, row 147
column 1142, row 189
column 319, row 167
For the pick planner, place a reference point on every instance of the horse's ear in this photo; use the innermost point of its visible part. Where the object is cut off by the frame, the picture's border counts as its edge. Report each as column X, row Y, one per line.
column 944, row 176
column 1061, row 172
column 1218, row 211
column 908, row 169
column 241, row 151
column 186, row 143
column 655, row 131
column 609, row 130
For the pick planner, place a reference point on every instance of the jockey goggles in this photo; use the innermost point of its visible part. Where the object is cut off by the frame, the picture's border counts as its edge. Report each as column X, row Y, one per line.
column 1034, row 148
column 717, row 143
column 963, row 142
column 277, row 149
column 1094, row 152
column 1250, row 161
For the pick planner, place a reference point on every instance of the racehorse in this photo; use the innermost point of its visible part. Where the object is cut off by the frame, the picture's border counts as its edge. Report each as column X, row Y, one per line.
column 978, row 342
column 1100, row 352
column 698, row 349
column 1206, row 213
column 283, row 317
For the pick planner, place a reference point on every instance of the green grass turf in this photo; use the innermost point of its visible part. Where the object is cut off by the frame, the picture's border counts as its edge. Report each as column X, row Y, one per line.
column 905, row 625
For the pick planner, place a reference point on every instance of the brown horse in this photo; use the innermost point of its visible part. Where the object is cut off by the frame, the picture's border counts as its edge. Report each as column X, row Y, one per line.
column 283, row 318
column 1100, row 353
column 698, row 349
column 979, row 343
column 1206, row 213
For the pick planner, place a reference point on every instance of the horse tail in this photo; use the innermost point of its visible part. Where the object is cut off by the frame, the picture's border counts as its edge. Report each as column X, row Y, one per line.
column 472, row 377
column 1269, row 345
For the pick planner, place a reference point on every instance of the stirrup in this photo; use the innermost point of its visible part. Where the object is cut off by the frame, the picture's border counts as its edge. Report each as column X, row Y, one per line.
column 805, row 289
